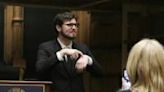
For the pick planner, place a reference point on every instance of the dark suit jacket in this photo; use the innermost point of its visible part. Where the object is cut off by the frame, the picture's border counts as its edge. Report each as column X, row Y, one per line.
column 63, row 74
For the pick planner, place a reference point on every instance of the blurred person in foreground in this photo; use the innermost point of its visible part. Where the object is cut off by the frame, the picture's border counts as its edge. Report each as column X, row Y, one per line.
column 145, row 67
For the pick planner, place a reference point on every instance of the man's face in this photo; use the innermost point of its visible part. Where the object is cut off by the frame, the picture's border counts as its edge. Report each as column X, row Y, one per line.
column 69, row 29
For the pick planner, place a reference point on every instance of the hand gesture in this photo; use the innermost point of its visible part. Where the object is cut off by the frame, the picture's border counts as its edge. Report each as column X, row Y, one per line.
column 73, row 53
column 81, row 63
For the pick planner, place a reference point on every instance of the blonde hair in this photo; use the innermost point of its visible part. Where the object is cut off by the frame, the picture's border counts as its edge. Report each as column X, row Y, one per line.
column 145, row 66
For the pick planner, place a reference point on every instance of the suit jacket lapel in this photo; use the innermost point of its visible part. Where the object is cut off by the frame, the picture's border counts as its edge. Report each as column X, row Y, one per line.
column 70, row 64
column 56, row 47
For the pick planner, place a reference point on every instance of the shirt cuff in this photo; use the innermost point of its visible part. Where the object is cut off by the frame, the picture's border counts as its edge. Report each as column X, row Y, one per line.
column 90, row 61
column 59, row 56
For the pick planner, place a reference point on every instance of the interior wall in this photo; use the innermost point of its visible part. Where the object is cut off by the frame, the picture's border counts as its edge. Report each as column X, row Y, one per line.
column 105, row 39
column 145, row 26
column 1, row 31
column 157, row 30
column 38, row 28
column 106, row 45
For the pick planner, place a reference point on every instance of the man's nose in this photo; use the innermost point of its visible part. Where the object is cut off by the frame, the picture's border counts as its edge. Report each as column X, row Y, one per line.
column 74, row 27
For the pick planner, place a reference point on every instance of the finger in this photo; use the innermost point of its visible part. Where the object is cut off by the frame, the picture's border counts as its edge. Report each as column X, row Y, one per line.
column 81, row 66
column 78, row 66
column 79, row 52
column 74, row 56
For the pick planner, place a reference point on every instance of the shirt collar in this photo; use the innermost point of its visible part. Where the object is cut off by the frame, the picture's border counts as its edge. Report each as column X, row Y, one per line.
column 63, row 45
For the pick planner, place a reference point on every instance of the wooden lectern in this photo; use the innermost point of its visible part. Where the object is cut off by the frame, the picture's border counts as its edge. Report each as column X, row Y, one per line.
column 24, row 86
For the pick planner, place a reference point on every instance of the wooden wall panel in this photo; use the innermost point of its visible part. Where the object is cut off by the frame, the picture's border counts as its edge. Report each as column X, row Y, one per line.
column 84, row 28
column 1, row 31
column 13, row 32
column 106, row 45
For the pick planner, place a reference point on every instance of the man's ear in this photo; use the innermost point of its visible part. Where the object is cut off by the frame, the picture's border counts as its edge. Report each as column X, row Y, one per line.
column 58, row 28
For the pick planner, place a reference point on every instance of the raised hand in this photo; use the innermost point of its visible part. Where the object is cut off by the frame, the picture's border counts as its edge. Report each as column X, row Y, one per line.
column 73, row 53
column 81, row 63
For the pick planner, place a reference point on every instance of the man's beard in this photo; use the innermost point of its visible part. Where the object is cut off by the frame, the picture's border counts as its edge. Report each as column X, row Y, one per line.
column 66, row 36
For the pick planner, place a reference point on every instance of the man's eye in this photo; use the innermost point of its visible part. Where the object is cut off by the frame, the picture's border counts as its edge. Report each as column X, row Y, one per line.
column 72, row 24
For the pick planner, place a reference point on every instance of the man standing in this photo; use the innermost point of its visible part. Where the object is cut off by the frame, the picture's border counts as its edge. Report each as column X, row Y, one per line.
column 64, row 61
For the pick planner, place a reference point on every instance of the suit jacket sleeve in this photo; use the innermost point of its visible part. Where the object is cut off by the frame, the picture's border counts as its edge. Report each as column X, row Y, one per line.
column 46, row 59
column 95, row 69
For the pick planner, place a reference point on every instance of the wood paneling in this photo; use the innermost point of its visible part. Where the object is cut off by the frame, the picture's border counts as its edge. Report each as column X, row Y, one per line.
column 1, row 31
column 84, row 28
column 13, row 32
column 105, row 42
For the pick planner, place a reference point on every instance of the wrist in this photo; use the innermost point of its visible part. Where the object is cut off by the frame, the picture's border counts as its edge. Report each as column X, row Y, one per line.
column 89, row 61
column 60, row 55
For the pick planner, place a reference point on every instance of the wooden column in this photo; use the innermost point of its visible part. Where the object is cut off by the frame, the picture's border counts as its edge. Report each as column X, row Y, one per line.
column 13, row 33
column 17, row 24
column 13, row 37
column 8, row 14
column 84, row 28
